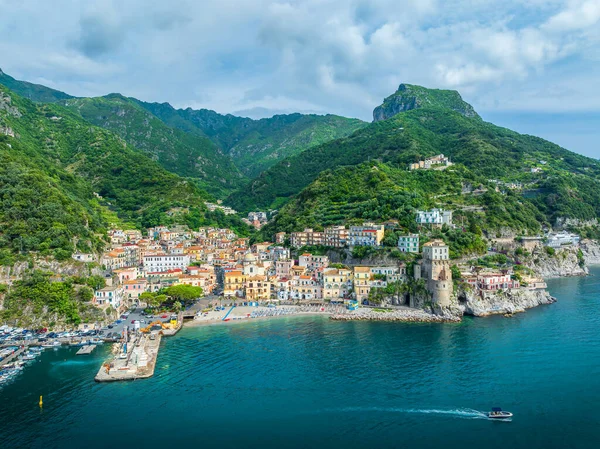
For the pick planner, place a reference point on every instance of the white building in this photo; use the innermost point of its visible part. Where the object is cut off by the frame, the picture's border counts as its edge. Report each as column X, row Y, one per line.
column 312, row 262
column 409, row 243
column 368, row 234
column 562, row 238
column 436, row 250
column 279, row 253
column 164, row 262
column 436, row 217
column 112, row 296
column 82, row 257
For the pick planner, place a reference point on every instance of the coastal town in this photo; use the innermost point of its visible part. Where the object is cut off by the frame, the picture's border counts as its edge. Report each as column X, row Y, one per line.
column 229, row 268
column 298, row 273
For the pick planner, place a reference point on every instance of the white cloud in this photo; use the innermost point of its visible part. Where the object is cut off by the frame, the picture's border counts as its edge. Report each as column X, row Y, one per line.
column 339, row 56
column 576, row 16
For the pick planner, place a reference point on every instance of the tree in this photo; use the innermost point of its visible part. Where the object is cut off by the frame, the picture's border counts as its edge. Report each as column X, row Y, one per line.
column 183, row 293
column 455, row 273
column 96, row 282
column 86, row 294
column 152, row 299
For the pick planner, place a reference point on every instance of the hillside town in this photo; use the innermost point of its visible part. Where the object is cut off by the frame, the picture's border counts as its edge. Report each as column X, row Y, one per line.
column 227, row 266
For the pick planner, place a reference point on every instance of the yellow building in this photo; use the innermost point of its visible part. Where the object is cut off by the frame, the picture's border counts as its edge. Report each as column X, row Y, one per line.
column 234, row 284
column 336, row 283
column 362, row 277
column 257, row 288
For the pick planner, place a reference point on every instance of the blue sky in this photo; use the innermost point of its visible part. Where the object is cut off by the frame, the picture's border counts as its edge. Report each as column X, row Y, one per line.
column 533, row 66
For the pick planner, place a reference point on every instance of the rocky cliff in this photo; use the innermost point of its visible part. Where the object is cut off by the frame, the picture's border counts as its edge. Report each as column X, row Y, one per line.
column 8, row 274
column 590, row 250
column 565, row 262
column 344, row 256
column 409, row 97
column 501, row 302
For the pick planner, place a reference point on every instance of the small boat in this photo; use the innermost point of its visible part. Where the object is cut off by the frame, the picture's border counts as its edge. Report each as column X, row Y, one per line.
column 54, row 344
column 498, row 413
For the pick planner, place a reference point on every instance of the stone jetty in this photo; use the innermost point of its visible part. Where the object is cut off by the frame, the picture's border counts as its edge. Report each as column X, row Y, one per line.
column 137, row 359
column 404, row 315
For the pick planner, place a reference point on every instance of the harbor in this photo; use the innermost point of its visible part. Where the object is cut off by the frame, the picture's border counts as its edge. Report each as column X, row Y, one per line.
column 135, row 356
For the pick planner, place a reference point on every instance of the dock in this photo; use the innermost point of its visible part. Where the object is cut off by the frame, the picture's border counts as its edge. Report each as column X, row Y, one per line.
column 139, row 360
column 138, row 364
column 85, row 350
column 13, row 356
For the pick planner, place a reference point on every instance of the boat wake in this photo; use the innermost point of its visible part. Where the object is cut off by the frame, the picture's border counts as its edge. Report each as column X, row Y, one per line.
column 465, row 413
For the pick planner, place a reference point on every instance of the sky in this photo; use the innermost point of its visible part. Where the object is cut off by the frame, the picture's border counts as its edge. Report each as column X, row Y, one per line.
column 533, row 66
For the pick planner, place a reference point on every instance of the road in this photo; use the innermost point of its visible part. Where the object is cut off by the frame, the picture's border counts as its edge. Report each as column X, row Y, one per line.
column 135, row 315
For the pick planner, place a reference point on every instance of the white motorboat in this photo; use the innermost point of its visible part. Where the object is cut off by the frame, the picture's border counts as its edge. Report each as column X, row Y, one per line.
column 498, row 413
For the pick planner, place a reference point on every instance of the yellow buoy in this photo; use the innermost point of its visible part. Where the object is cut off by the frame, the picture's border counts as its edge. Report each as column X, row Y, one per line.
column 41, row 402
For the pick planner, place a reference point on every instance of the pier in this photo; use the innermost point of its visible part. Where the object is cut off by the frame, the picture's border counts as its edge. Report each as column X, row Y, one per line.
column 137, row 363
column 139, row 360
column 13, row 356
column 84, row 350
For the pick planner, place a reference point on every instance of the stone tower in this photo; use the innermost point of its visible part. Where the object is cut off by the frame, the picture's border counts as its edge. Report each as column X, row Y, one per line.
column 436, row 271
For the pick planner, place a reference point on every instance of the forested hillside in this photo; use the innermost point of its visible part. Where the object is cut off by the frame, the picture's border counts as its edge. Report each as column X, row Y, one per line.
column 256, row 145
column 563, row 183
column 33, row 92
column 375, row 191
column 187, row 154
column 218, row 151
column 60, row 175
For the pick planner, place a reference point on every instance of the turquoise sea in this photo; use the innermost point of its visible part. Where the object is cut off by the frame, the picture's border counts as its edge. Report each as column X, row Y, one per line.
column 310, row 382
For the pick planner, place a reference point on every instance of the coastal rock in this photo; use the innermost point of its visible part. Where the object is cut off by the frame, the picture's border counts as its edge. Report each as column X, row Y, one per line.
column 565, row 262
column 591, row 252
column 500, row 302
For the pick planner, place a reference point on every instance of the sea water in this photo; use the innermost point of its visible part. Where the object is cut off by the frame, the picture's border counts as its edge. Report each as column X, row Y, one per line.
column 310, row 382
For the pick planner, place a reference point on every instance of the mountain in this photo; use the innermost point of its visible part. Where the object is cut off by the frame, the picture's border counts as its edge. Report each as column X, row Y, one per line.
column 218, row 151
column 255, row 145
column 186, row 154
column 61, row 177
column 34, row 92
column 557, row 182
column 409, row 96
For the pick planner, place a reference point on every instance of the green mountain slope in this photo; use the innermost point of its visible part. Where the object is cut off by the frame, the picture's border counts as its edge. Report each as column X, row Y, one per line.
column 256, row 145
column 488, row 150
column 59, row 174
column 34, row 92
column 379, row 191
column 183, row 153
column 220, row 151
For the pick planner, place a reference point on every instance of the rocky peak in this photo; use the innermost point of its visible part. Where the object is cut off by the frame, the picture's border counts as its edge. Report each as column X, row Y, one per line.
column 409, row 96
